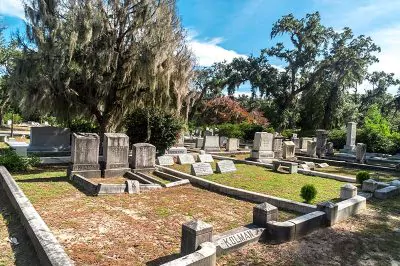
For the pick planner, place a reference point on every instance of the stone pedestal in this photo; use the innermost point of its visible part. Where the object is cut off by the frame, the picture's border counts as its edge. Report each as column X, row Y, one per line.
column 361, row 151
column 369, row 185
column 331, row 211
column 194, row 233
column 348, row 191
column 143, row 156
column 115, row 154
column 303, row 143
column 288, row 150
column 322, row 137
column 264, row 213
column 312, row 148
column 85, row 155
column 351, row 137
column 329, row 149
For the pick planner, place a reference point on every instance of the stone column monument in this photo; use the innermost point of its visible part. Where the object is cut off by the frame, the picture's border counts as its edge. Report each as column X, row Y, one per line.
column 115, row 154
column 351, row 137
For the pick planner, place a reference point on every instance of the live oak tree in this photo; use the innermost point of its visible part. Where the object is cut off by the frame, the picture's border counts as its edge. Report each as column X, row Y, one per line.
column 99, row 59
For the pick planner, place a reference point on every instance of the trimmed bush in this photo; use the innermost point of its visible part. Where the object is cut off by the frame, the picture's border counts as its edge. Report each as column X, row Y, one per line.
column 362, row 176
column 308, row 193
column 250, row 129
column 15, row 163
column 230, row 130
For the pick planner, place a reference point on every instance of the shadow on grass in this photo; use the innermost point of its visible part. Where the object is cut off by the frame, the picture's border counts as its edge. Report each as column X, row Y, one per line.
column 24, row 253
column 163, row 259
column 45, row 179
column 41, row 169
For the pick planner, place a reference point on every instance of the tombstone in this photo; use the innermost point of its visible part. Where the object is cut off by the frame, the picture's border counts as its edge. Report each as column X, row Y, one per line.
column 264, row 213
column 232, row 144
column 85, row 155
column 49, row 139
column 295, row 140
column 361, row 150
column 262, row 146
column 348, row 191
column 205, row 158
column 277, row 145
column 303, row 143
column 199, row 143
column 225, row 166
column 201, row 169
column 185, row 159
column 211, row 143
column 208, row 132
column 288, row 150
column 329, row 149
column 369, row 185
column 223, row 141
column 176, row 150
column 351, row 137
column 143, row 156
column 322, row 137
column 195, row 233
column 312, row 148
column 165, row 160
column 180, row 140
column 115, row 154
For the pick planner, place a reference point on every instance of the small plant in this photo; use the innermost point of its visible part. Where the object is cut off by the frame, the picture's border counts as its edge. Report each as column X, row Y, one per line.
column 15, row 163
column 362, row 176
column 308, row 193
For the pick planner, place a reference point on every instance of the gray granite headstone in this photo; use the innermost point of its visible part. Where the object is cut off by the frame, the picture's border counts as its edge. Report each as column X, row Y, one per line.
column 312, row 148
column 199, row 143
column 165, row 160
column 49, row 139
column 288, row 150
column 303, row 143
column 115, row 154
column 329, row 149
column 185, row 159
column 351, row 137
column 201, row 169
column 232, row 144
column 322, row 137
column 205, row 158
column 211, row 143
column 85, row 155
column 225, row 166
column 262, row 146
column 361, row 151
column 143, row 156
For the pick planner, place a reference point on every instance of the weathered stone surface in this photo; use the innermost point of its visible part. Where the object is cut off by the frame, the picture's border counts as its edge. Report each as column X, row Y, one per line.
column 176, row 150
column 263, row 213
column 223, row 141
column 329, row 149
column 321, row 165
column 348, row 191
column 395, row 183
column 288, row 150
column 225, row 166
column 322, row 137
column 133, row 186
column 236, row 238
column 201, row 169
column 143, row 156
column 369, row 185
column 307, row 223
column 361, row 151
column 262, row 154
column 304, row 143
column 194, row 233
column 115, row 154
column 232, row 144
column 351, row 137
column 50, row 139
column 165, row 160
column 312, row 148
column 304, row 166
column 263, row 141
column 211, row 143
column 205, row 158
column 387, row 192
column 199, row 143
column 185, row 159
column 281, row 231
column 278, row 167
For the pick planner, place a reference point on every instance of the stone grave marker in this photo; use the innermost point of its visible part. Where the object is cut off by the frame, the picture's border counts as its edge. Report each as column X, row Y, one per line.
column 143, row 156
column 211, row 143
column 205, row 158
column 288, row 150
column 199, row 143
column 329, row 149
column 312, row 148
column 225, row 166
column 176, row 150
column 348, row 191
column 237, row 238
column 115, row 154
column 185, row 159
column 165, row 160
column 351, row 137
column 277, row 145
column 50, row 139
column 303, row 143
column 223, row 141
column 232, row 144
column 322, row 137
column 201, row 169
column 262, row 146
column 85, row 155
column 361, row 151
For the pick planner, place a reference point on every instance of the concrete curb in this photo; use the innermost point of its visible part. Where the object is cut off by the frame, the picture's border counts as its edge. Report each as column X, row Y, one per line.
column 206, row 255
column 49, row 251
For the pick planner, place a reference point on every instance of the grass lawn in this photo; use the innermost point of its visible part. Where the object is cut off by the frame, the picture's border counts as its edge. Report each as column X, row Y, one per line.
column 127, row 229
column 352, row 172
column 260, row 179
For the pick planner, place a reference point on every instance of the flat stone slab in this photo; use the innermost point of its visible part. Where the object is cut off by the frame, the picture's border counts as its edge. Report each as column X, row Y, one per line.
column 205, row 158
column 321, row 165
column 165, row 160
column 185, row 159
column 225, row 166
column 177, row 150
column 386, row 192
column 201, row 169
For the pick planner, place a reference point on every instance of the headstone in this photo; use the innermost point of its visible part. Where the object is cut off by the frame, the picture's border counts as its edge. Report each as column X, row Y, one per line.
column 262, row 146
column 348, row 191
column 361, row 151
column 211, row 143
column 232, row 144
column 115, row 154
column 208, row 133
column 295, row 140
column 133, row 186
column 143, row 156
column 201, row 169
column 329, row 149
column 165, row 160
column 194, row 233
column 181, row 139
column 185, row 159
column 277, row 145
column 85, row 155
column 264, row 213
column 369, row 185
column 223, row 141
column 322, row 137
column 321, row 165
column 205, row 158
column 225, row 166
column 304, row 166
column 49, row 139
column 176, row 150
column 199, row 143
column 288, row 150
column 310, row 165
column 351, row 137
column 312, row 148
column 303, row 143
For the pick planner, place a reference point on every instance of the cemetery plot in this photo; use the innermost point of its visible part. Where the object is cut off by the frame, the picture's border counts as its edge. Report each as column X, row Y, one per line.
column 110, row 180
column 263, row 180
column 127, row 229
column 352, row 172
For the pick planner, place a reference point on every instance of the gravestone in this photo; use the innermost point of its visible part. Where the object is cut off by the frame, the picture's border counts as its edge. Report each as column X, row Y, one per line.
column 205, row 158
column 176, row 150
column 223, row 141
column 322, row 137
column 50, row 139
column 351, row 137
column 232, row 144
column 211, row 143
column 361, row 151
column 329, row 149
column 208, row 132
column 143, row 156
column 199, row 143
column 277, row 145
column 295, row 140
column 312, row 148
column 303, row 143
column 85, row 155
column 115, row 154
column 165, row 160
column 185, row 159
column 225, row 166
column 262, row 146
column 201, row 169
column 180, row 141
column 348, row 191
column 288, row 150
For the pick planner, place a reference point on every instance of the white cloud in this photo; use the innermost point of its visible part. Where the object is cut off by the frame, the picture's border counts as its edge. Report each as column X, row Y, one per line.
column 12, row 8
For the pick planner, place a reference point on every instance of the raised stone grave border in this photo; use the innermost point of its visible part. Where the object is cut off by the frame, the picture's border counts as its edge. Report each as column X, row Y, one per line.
column 48, row 249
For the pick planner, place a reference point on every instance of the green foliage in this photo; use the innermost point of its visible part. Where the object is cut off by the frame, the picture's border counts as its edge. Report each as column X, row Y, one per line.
column 83, row 125
column 9, row 116
column 337, row 137
column 288, row 133
column 250, row 129
column 154, row 126
column 308, row 192
column 362, row 176
column 230, row 130
column 15, row 163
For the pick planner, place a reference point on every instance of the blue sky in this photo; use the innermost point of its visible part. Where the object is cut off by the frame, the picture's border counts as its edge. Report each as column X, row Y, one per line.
column 223, row 29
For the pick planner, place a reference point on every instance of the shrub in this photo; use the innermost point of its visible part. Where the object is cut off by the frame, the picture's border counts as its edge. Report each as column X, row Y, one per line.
column 250, row 129
column 153, row 126
column 9, row 116
column 308, row 193
column 83, row 126
column 15, row 163
column 230, row 130
column 362, row 176
column 337, row 137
